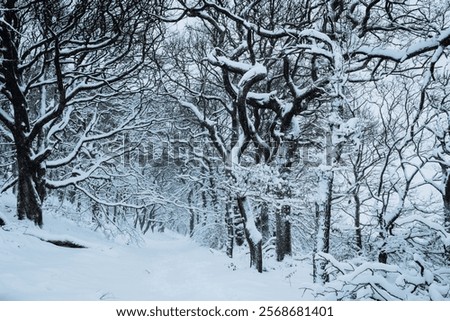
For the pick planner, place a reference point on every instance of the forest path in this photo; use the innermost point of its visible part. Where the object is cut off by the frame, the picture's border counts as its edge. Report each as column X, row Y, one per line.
column 166, row 267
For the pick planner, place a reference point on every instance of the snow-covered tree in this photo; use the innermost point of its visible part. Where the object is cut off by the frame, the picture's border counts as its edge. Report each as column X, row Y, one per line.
column 68, row 80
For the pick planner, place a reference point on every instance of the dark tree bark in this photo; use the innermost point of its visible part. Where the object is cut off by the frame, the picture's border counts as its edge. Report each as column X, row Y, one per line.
column 254, row 241
column 238, row 226
column 30, row 182
column 191, row 213
column 446, row 199
column 323, row 226
column 230, row 230
column 283, row 232
column 30, row 189
column 358, row 234
column 264, row 222
column 382, row 255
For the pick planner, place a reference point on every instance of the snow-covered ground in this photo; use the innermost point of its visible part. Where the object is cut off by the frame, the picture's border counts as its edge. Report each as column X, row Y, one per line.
column 165, row 266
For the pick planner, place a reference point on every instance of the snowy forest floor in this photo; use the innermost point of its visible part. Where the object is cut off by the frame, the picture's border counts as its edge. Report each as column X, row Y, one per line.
column 164, row 266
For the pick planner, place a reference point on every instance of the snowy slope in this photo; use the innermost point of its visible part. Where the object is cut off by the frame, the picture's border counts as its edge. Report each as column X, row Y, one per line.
column 166, row 266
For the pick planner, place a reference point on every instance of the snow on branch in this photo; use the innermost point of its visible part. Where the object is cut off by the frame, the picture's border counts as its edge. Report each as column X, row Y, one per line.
column 78, row 176
column 91, row 46
column 312, row 33
column 209, row 125
column 432, row 225
column 105, row 203
column 252, row 26
column 6, row 133
column 247, row 212
column 254, row 74
column 231, row 65
column 76, row 149
column 62, row 124
column 379, row 281
column 86, row 138
column 413, row 50
column 201, row 117
column 6, row 119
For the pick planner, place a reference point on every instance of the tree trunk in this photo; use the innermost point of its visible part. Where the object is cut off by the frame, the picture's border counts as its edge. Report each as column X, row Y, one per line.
column 253, row 236
column 323, row 225
column 238, row 226
column 446, row 199
column 382, row 254
column 95, row 210
column 204, row 206
column 283, row 226
column 319, row 265
column 30, row 183
column 30, row 187
column 230, row 230
column 283, row 232
column 358, row 235
column 191, row 213
column 264, row 223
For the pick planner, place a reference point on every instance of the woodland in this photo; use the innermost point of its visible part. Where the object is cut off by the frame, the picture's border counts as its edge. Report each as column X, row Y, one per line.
column 314, row 129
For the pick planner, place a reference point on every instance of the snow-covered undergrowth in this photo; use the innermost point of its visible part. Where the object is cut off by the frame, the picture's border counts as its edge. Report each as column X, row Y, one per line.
column 163, row 266
column 362, row 280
